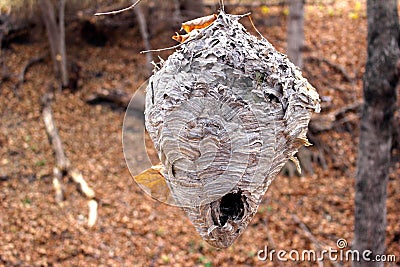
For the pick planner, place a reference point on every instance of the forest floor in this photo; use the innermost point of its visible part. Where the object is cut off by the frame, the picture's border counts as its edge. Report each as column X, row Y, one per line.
column 308, row 212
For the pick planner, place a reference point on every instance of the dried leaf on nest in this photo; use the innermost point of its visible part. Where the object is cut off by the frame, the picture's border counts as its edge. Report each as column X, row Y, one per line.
column 199, row 23
column 153, row 181
column 182, row 38
column 193, row 27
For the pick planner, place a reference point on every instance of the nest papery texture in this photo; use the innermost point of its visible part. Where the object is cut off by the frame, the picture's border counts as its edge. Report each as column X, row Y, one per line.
column 225, row 112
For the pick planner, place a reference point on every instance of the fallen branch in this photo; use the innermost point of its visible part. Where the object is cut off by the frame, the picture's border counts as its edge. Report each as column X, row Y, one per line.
column 332, row 65
column 318, row 244
column 325, row 122
column 63, row 165
column 3, row 175
column 30, row 63
column 271, row 243
column 118, row 98
column 308, row 233
column 5, row 74
column 58, row 187
column 92, row 218
column 62, row 161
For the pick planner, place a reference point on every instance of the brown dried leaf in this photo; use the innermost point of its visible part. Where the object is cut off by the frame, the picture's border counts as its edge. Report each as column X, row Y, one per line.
column 152, row 181
column 180, row 38
column 199, row 23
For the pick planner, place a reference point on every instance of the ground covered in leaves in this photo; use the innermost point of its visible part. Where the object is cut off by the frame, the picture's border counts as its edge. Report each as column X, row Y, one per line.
column 308, row 212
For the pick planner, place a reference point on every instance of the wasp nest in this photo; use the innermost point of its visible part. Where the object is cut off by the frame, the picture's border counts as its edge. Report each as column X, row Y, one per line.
column 226, row 111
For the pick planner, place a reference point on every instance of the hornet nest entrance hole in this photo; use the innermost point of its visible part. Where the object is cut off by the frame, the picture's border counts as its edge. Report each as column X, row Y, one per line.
column 231, row 207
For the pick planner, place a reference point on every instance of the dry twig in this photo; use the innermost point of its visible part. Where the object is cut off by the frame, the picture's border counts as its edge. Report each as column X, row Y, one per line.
column 117, row 97
column 118, row 11
column 332, row 65
column 308, row 233
column 30, row 63
column 63, row 165
column 271, row 241
column 318, row 244
column 4, row 74
column 326, row 122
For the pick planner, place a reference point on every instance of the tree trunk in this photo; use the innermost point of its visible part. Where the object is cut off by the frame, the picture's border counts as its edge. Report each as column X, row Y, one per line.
column 145, row 36
column 56, row 36
column 295, row 39
column 380, row 80
column 49, row 19
column 63, row 52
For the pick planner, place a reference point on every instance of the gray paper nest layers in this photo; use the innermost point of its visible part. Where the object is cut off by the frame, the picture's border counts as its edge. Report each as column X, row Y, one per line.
column 225, row 112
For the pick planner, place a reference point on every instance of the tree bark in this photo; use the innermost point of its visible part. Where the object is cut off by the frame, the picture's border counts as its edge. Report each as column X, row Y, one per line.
column 145, row 35
column 50, row 22
column 295, row 39
column 56, row 36
column 380, row 80
column 62, row 47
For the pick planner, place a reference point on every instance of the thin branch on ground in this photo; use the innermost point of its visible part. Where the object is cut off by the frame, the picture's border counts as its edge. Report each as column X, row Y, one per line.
column 63, row 165
column 272, row 242
column 332, row 65
column 29, row 64
column 118, row 98
column 325, row 122
column 318, row 244
column 308, row 233
column 4, row 74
